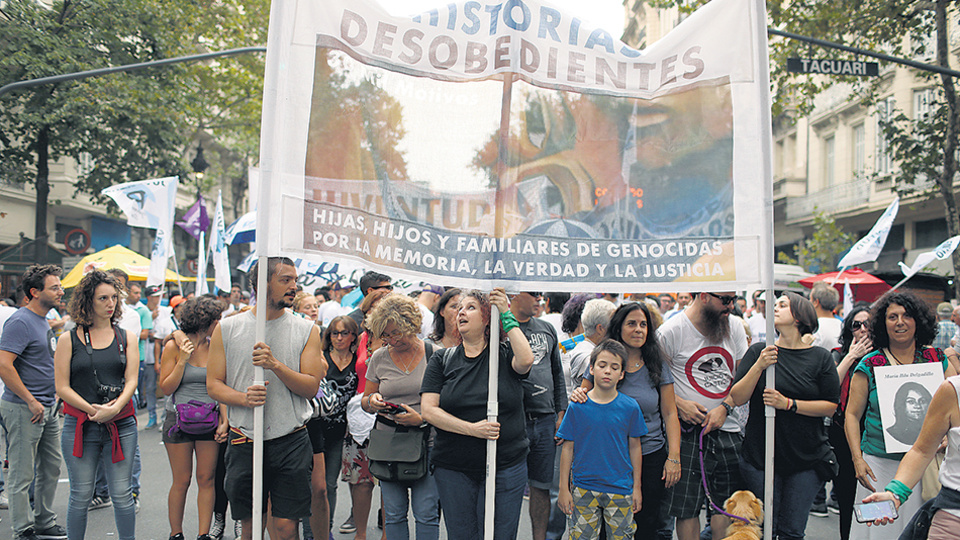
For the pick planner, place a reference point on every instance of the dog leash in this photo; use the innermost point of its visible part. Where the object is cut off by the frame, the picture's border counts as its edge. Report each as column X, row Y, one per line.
column 703, row 480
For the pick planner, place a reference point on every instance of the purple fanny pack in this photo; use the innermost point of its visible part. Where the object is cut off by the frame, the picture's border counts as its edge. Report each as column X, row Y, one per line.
column 196, row 418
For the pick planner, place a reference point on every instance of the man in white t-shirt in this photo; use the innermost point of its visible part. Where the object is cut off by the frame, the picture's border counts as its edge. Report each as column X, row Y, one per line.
column 825, row 299
column 332, row 309
column 758, row 321
column 703, row 345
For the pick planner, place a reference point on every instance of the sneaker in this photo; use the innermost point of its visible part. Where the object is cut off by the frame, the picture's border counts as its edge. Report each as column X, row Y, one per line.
column 178, row 536
column 819, row 510
column 237, row 530
column 100, row 502
column 204, row 537
column 136, row 504
column 4, row 503
column 831, row 506
column 27, row 534
column 219, row 523
column 53, row 532
column 348, row 526
column 152, row 422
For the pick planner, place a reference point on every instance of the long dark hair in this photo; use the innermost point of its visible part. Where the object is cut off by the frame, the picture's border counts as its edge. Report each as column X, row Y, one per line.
column 846, row 333
column 440, row 325
column 653, row 356
column 914, row 307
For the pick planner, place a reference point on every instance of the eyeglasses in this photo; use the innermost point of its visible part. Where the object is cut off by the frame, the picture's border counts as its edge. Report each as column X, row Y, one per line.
column 395, row 335
column 338, row 334
column 725, row 300
column 856, row 325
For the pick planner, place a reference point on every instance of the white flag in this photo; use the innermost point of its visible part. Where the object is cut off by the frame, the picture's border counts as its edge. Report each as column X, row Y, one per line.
column 144, row 202
column 163, row 206
column 868, row 248
column 847, row 298
column 218, row 246
column 201, row 267
column 941, row 252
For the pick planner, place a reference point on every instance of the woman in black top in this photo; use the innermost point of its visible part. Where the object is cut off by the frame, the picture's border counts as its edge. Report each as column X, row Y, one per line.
column 807, row 391
column 454, row 400
column 96, row 375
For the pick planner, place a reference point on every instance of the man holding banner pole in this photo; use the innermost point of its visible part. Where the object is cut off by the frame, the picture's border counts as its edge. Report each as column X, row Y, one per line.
column 292, row 367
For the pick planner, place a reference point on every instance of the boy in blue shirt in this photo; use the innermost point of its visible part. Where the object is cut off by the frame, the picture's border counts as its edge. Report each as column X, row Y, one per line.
column 601, row 441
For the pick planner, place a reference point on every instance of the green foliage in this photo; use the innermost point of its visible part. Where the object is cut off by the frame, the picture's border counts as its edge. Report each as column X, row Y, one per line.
column 821, row 251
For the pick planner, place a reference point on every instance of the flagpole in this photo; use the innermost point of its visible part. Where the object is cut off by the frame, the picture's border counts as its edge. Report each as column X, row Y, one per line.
column 901, row 282
column 836, row 278
column 493, row 380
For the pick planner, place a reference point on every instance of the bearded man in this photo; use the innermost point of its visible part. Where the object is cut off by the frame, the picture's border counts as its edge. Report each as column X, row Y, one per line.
column 703, row 345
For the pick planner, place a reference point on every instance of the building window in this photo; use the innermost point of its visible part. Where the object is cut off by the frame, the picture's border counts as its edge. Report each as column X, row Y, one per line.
column 930, row 233
column 859, row 151
column 85, row 164
column 885, row 111
column 829, row 157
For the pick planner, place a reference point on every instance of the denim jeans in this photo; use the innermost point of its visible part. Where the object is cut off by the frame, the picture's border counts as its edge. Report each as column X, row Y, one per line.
column 33, row 447
column 97, row 450
column 462, row 499
column 426, row 509
column 793, row 496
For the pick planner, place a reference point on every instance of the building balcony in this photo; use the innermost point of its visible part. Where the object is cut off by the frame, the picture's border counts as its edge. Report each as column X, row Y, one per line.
column 829, row 200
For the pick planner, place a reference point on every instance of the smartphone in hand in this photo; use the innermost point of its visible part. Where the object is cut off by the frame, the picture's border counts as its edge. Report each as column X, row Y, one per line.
column 870, row 512
column 392, row 408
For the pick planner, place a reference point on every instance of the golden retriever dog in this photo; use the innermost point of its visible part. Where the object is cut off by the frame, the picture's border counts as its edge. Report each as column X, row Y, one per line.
column 744, row 504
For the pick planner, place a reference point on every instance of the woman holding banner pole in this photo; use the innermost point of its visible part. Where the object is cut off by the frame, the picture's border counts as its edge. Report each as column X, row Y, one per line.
column 903, row 327
column 454, row 400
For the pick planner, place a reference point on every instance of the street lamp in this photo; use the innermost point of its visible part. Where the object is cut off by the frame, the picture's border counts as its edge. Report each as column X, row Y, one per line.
column 199, row 164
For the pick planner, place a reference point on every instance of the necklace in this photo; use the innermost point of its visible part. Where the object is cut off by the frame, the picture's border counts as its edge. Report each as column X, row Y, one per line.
column 409, row 364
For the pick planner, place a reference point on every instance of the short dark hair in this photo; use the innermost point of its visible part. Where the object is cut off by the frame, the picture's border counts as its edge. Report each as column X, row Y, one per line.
column 81, row 301
column 803, row 312
column 36, row 276
column 914, row 307
column 572, row 309
column 198, row 314
column 556, row 301
column 370, row 279
column 349, row 325
column 611, row 346
column 122, row 276
column 272, row 264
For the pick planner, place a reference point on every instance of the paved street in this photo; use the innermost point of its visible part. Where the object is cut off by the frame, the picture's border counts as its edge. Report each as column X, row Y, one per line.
column 152, row 519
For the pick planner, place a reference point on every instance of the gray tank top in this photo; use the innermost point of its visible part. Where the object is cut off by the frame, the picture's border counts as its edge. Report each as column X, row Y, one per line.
column 286, row 336
column 193, row 386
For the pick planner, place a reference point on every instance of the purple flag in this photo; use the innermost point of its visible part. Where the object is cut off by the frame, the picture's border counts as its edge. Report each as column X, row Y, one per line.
column 196, row 219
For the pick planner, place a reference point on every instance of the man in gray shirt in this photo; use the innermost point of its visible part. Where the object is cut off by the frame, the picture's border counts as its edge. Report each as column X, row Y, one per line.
column 544, row 401
column 293, row 368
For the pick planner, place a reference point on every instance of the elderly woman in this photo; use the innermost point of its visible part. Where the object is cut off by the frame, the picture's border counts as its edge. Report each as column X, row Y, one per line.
column 903, row 327
column 454, row 400
column 807, row 391
column 183, row 377
column 394, row 375
column 445, row 333
column 96, row 367
column 648, row 380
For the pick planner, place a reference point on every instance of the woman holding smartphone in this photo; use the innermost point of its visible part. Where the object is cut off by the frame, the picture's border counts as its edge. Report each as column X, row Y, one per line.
column 394, row 375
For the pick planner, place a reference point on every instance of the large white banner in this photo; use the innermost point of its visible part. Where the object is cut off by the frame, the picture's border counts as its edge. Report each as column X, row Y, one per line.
column 384, row 144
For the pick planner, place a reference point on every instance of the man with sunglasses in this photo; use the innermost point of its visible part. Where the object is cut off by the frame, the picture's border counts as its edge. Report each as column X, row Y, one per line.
column 703, row 345
column 371, row 281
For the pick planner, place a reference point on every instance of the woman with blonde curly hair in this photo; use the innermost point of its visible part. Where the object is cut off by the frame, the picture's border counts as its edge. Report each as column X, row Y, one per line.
column 394, row 376
column 305, row 305
column 96, row 367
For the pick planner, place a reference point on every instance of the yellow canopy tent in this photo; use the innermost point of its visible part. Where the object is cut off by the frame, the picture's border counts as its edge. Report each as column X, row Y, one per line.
column 135, row 265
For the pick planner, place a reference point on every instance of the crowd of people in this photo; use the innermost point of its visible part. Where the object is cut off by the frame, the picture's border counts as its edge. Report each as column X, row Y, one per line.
column 621, row 416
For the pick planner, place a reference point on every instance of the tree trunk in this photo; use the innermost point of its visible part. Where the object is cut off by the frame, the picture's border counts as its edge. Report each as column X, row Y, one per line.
column 945, row 181
column 43, row 194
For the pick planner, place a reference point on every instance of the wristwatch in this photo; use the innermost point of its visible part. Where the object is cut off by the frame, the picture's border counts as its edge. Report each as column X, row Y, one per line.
column 727, row 407
column 793, row 406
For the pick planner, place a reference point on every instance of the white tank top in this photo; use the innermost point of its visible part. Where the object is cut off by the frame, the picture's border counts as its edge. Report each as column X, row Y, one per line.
column 950, row 469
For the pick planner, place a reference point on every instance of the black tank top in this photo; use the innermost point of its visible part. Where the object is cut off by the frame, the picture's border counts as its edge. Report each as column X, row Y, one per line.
column 108, row 363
